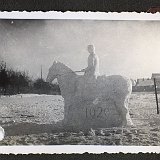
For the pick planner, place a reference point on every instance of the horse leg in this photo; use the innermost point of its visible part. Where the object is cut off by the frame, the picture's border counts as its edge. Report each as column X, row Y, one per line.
column 129, row 120
column 122, row 109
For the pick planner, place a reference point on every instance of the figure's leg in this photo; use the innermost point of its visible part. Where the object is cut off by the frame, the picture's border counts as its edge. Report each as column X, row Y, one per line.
column 76, row 86
column 79, row 87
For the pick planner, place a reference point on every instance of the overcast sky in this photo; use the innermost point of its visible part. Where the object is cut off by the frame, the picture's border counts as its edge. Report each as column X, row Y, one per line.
column 130, row 48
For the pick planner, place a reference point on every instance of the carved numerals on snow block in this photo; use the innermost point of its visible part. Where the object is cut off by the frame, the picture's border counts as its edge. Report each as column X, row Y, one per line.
column 96, row 112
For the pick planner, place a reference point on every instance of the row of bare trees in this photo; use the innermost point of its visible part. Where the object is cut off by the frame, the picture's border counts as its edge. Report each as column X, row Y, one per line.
column 14, row 82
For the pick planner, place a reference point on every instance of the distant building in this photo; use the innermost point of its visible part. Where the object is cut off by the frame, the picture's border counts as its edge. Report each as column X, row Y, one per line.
column 140, row 80
column 147, row 84
column 155, row 75
column 143, row 85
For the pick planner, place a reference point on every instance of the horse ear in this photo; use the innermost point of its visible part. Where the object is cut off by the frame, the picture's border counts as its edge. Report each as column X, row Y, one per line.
column 55, row 62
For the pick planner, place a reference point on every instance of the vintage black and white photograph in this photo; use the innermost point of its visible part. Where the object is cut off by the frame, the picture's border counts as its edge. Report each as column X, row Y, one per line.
column 79, row 82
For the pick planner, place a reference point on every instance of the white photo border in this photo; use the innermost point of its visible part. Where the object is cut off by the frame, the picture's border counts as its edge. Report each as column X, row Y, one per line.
column 80, row 15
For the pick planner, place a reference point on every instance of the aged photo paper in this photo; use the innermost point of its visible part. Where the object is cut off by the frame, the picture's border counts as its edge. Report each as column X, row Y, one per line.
column 79, row 82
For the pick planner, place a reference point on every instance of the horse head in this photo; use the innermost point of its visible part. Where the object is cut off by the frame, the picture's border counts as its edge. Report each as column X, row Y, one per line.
column 58, row 69
column 53, row 72
column 65, row 77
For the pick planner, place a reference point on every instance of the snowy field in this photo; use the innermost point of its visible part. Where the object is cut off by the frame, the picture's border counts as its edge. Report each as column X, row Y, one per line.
column 30, row 119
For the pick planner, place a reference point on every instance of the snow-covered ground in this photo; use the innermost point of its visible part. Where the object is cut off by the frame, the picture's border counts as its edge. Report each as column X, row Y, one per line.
column 29, row 119
column 25, row 95
column 31, row 108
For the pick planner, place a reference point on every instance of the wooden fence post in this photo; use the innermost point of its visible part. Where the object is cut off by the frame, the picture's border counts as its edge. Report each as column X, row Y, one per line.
column 155, row 87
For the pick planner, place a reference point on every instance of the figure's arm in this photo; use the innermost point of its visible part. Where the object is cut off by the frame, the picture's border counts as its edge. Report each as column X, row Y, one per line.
column 96, row 61
column 86, row 69
column 96, row 64
column 83, row 70
column 90, row 64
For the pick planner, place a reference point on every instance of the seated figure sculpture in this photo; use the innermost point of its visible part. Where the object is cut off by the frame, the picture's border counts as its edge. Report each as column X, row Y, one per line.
column 92, row 101
column 91, row 72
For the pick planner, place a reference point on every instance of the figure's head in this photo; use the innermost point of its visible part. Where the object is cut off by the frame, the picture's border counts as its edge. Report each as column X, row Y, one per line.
column 91, row 48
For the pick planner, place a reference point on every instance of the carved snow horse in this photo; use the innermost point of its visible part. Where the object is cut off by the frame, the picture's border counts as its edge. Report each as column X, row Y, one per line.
column 92, row 103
